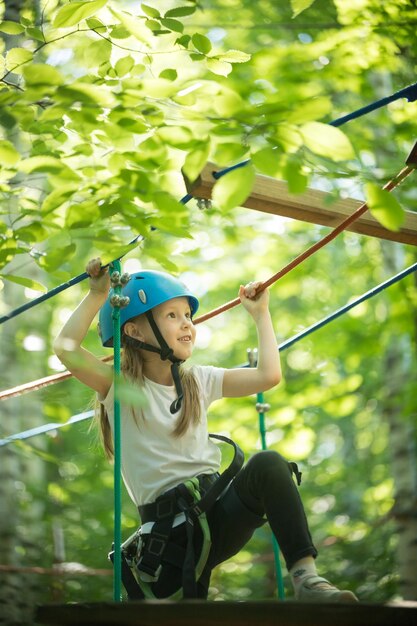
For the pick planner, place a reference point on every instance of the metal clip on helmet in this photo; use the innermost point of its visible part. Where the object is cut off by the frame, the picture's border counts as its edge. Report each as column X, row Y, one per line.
column 146, row 290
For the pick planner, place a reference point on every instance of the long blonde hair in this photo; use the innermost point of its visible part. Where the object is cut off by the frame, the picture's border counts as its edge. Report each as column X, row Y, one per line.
column 132, row 369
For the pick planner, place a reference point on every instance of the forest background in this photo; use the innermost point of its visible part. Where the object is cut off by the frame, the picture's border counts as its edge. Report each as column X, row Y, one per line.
column 102, row 104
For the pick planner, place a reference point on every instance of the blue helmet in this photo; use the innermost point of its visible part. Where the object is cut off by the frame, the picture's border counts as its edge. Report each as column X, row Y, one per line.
column 146, row 289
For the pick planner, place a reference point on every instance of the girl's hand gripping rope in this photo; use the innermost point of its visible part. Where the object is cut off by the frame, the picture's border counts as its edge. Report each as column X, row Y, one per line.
column 256, row 302
column 99, row 276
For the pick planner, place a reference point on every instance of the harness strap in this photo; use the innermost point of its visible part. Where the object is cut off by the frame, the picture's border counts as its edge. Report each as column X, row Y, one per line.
column 188, row 570
column 217, row 488
column 294, row 470
column 183, row 498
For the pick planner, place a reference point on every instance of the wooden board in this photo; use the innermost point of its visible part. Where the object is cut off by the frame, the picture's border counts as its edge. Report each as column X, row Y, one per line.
column 199, row 613
column 271, row 196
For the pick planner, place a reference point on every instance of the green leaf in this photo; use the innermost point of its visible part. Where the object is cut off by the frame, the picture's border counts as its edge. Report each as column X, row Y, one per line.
column 311, row 109
column 124, row 65
column 180, row 11
column 228, row 103
column 327, row 141
column 218, row 67
column 235, row 56
column 296, row 180
column 41, row 164
column 177, row 136
column 82, row 214
column 35, row 33
column 196, row 160
column 269, row 161
column 228, row 153
column 298, row 6
column 173, row 25
column 25, row 282
column 73, row 13
column 149, row 11
column 184, row 41
column 133, row 25
column 169, row 74
column 168, row 204
column 384, row 207
column 57, row 197
column 289, row 137
column 11, row 28
column 84, row 92
column 56, row 257
column 201, row 43
column 119, row 250
column 42, row 74
column 232, row 189
column 16, row 57
column 95, row 24
column 9, row 156
column 35, row 231
column 153, row 25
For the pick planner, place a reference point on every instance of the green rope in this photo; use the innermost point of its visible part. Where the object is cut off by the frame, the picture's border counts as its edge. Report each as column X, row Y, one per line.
column 262, row 408
column 117, row 584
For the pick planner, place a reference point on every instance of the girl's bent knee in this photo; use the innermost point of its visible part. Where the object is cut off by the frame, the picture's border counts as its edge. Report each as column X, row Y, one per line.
column 269, row 461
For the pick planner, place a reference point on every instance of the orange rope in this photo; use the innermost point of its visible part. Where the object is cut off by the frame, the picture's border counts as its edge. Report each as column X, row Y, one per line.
column 40, row 383
column 310, row 251
column 392, row 184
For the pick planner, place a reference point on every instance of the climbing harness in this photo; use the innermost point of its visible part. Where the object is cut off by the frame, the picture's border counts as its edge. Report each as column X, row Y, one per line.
column 152, row 549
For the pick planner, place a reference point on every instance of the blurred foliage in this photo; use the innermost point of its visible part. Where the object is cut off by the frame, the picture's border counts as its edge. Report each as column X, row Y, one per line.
column 98, row 118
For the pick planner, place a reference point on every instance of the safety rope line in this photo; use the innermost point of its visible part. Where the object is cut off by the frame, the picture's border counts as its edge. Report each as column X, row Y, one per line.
column 410, row 93
column 53, row 292
column 389, row 186
column 115, row 300
column 283, row 346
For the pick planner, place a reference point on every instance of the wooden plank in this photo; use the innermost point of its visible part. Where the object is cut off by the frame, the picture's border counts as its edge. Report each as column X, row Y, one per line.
column 200, row 613
column 271, row 196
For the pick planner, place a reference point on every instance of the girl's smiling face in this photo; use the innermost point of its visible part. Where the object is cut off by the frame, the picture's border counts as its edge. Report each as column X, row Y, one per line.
column 173, row 319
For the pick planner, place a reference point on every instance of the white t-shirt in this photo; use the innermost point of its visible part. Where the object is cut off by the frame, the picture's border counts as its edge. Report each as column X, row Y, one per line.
column 154, row 461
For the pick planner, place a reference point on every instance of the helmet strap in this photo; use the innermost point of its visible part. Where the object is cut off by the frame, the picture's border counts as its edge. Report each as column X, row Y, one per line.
column 166, row 353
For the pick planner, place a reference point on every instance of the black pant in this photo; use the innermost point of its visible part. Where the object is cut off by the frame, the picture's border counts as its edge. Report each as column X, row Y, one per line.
column 264, row 486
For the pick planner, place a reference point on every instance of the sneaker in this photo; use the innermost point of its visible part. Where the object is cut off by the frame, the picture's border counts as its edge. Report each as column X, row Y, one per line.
column 318, row 589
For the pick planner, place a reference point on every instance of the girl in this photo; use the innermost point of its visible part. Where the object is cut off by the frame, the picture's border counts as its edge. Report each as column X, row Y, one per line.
column 166, row 450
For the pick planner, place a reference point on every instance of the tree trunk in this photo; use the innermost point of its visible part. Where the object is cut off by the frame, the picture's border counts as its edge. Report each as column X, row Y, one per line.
column 21, row 518
column 402, row 448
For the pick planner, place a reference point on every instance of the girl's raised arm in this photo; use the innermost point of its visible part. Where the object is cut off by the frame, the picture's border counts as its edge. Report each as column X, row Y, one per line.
column 67, row 346
column 267, row 373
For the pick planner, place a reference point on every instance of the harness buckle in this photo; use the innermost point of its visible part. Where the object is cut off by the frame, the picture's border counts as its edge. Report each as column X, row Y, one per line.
column 164, row 508
column 148, row 576
column 156, row 545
